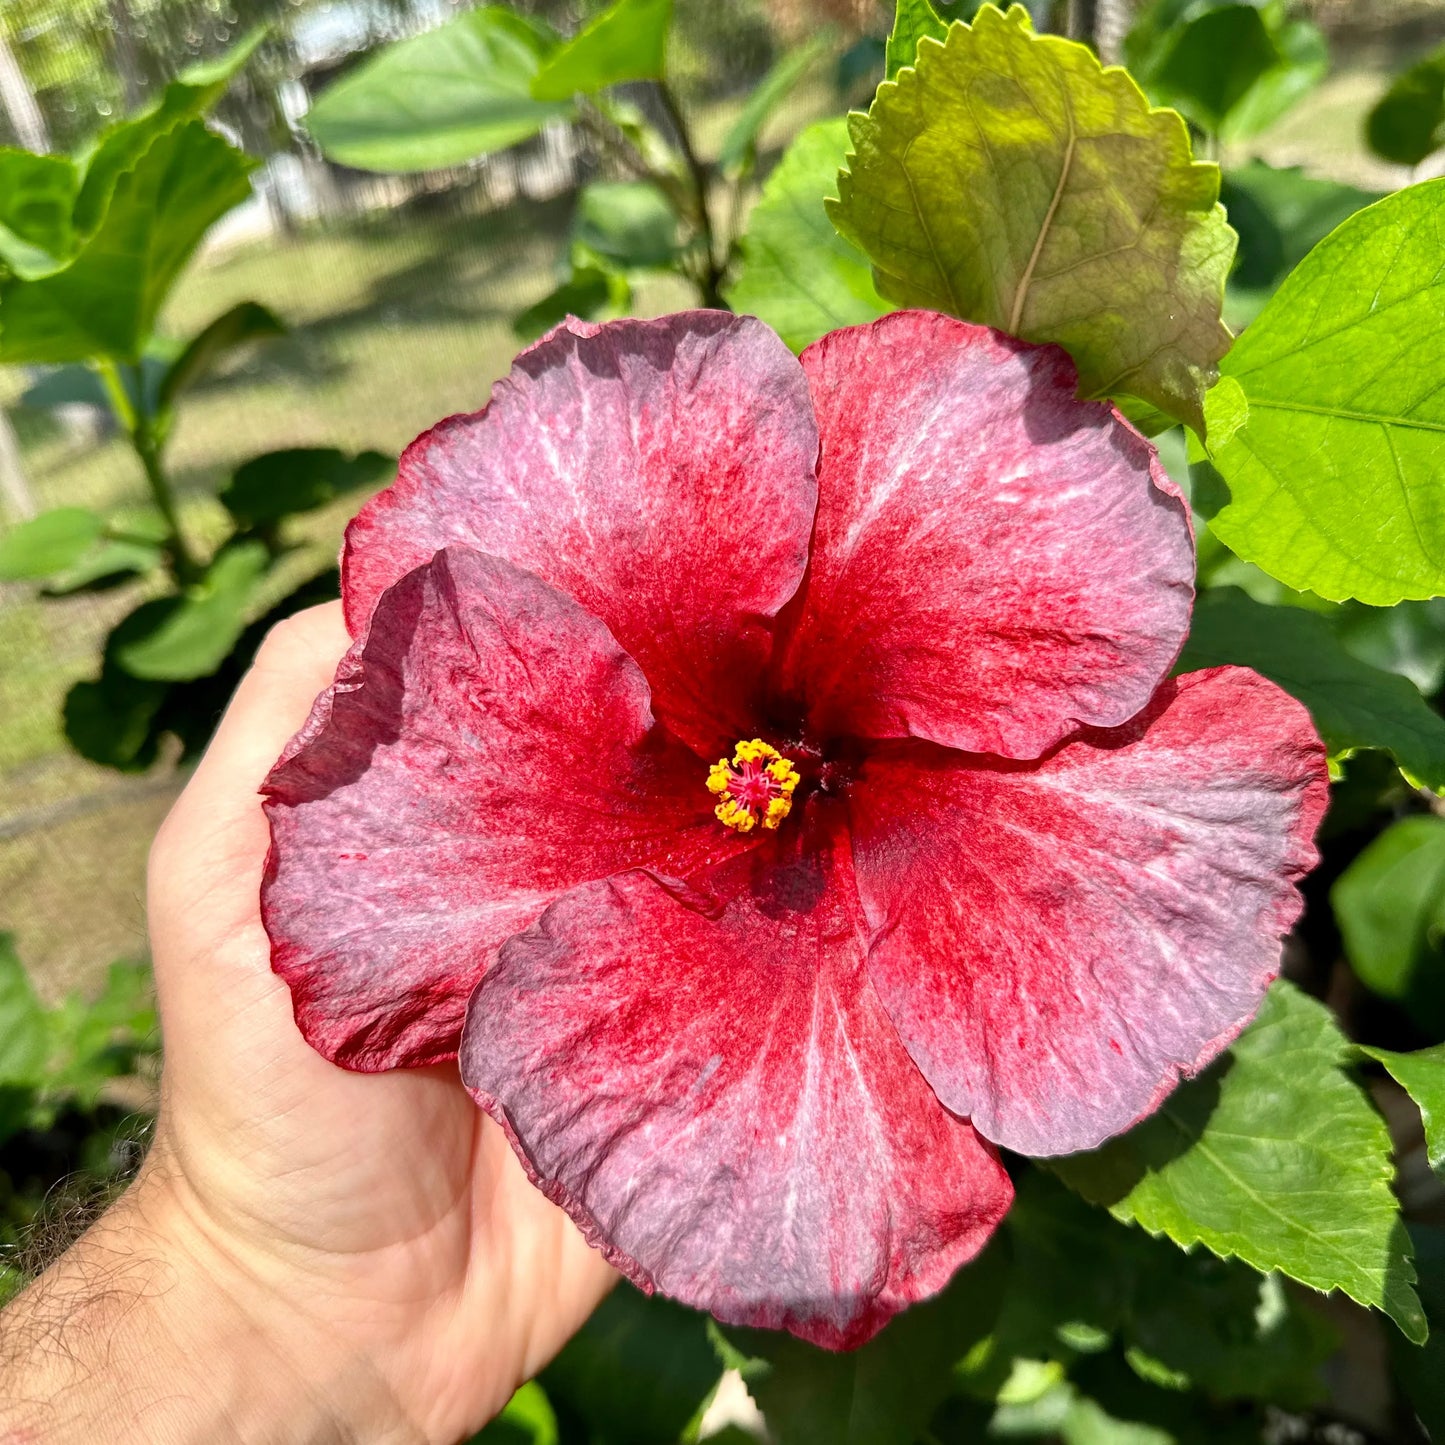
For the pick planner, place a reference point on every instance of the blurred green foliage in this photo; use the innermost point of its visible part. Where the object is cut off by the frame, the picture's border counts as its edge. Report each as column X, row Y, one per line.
column 56, row 1125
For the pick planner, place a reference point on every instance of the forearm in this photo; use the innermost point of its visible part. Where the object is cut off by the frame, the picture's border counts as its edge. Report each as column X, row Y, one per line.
column 143, row 1335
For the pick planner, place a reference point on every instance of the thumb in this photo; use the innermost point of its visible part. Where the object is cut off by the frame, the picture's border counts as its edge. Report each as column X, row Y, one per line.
column 206, row 861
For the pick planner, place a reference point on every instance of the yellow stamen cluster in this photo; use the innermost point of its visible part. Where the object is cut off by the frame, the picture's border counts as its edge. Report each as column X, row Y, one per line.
column 757, row 785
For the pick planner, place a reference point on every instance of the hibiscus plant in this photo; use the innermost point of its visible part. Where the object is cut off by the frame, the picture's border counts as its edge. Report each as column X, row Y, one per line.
column 90, row 248
column 492, row 77
column 811, row 769
column 843, row 772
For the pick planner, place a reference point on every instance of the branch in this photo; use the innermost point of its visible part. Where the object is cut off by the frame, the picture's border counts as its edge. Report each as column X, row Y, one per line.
column 711, row 289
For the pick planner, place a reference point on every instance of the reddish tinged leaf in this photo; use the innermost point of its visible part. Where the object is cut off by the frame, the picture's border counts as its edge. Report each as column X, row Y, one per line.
column 1059, row 943
column 658, row 472
column 995, row 563
column 486, row 746
column 718, row 1099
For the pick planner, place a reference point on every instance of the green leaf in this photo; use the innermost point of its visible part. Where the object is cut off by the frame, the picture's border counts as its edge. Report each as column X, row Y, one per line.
column 1335, row 479
column 1153, row 27
column 16, row 1104
column 1008, row 179
column 123, row 146
column 527, row 1419
column 1390, row 906
column 1421, row 1370
column 109, row 562
column 739, row 147
column 1281, row 214
column 189, row 711
column 189, row 636
column 104, row 303
column 100, row 1039
column 134, row 544
column 630, row 223
column 37, row 199
column 211, row 77
column 1422, row 1076
column 638, row 1371
column 1072, row 1418
column 1407, row 123
column 300, row 479
column 1080, row 1279
column 1215, row 61
column 126, row 1004
column 24, row 1038
column 50, row 204
column 1365, row 789
column 798, row 274
column 627, row 41
column 1150, row 421
column 884, row 1392
column 1248, row 96
column 246, row 321
column 587, row 292
column 1110, row 1403
column 110, row 719
column 1228, row 411
column 439, row 99
column 1353, row 704
column 1408, row 638
column 1273, row 1155
column 1304, row 63
column 48, row 543
column 912, row 20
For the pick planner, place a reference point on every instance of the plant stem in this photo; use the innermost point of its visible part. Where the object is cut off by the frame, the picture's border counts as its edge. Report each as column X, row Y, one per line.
column 710, row 286
column 137, row 426
column 184, row 565
column 733, row 236
column 617, row 142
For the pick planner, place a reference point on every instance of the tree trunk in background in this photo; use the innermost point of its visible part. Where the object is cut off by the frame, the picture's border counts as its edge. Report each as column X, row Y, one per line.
column 127, row 57
column 28, row 123
column 1082, row 16
column 1111, row 25
column 1102, row 24
column 14, row 488
column 19, row 101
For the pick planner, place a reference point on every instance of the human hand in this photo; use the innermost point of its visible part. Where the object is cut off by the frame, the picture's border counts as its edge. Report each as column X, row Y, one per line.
column 369, row 1242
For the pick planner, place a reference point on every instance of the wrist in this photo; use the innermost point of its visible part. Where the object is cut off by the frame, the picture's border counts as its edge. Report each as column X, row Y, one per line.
column 148, row 1332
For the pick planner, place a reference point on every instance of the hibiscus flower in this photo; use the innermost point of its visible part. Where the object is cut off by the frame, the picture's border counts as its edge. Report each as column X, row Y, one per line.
column 762, row 772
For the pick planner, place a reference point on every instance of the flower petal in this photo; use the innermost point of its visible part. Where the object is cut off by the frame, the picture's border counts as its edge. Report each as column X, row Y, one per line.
column 660, row 472
column 486, row 746
column 719, row 1101
column 994, row 562
column 1057, row 943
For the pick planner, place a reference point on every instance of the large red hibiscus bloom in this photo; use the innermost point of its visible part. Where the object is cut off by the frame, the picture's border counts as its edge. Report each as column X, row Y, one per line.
column 762, row 773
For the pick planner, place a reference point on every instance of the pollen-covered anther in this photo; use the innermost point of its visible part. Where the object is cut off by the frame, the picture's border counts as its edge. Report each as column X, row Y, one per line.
column 755, row 786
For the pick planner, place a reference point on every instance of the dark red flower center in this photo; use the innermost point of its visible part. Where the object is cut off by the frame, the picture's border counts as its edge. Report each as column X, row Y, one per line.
column 755, row 786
